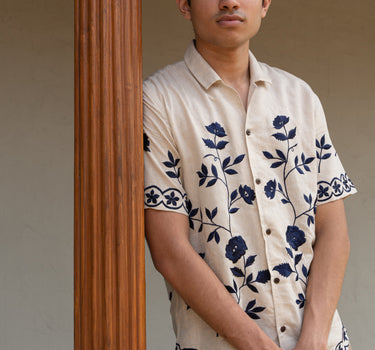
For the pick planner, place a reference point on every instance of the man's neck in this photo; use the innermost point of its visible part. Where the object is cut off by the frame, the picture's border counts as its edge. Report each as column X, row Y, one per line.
column 232, row 65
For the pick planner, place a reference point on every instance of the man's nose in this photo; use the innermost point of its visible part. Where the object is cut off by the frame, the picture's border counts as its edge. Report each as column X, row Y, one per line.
column 229, row 5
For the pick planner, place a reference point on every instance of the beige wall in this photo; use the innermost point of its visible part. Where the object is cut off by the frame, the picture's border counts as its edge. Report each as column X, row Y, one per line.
column 330, row 44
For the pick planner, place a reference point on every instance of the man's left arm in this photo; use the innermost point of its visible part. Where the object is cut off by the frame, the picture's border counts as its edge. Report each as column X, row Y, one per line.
column 331, row 254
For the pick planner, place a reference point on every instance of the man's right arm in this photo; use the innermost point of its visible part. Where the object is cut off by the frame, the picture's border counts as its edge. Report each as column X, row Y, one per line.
column 167, row 235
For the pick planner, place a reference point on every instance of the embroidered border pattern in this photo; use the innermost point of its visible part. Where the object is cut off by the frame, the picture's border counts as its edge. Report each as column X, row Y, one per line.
column 335, row 188
column 171, row 198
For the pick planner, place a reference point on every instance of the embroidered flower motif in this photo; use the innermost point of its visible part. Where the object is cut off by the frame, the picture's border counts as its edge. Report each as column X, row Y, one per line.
column 172, row 198
column 280, row 121
column 216, row 129
column 336, row 186
column 152, row 197
column 270, row 189
column 295, row 237
column 301, row 300
column 235, row 249
column 323, row 191
column 146, row 143
column 247, row 194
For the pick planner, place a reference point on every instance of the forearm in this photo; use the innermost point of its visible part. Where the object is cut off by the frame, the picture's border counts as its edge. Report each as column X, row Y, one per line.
column 331, row 253
column 198, row 285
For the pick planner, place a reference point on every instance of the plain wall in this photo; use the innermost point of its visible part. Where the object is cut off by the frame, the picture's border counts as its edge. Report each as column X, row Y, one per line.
column 36, row 174
column 329, row 44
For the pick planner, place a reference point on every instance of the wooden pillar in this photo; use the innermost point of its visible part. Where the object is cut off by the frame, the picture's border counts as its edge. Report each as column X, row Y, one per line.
column 109, row 282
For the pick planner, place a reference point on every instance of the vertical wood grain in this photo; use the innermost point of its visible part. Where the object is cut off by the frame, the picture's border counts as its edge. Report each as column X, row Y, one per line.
column 109, row 282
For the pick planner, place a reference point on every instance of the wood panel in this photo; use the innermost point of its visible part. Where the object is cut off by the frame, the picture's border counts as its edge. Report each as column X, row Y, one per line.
column 109, row 282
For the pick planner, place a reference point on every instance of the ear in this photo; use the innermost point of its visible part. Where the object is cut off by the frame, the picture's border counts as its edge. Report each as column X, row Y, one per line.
column 266, row 5
column 184, row 8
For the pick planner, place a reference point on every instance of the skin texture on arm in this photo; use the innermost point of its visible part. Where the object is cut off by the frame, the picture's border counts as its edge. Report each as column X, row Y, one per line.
column 167, row 235
column 331, row 254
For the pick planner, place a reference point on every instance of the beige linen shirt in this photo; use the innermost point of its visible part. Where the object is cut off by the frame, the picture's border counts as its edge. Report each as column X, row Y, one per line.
column 249, row 182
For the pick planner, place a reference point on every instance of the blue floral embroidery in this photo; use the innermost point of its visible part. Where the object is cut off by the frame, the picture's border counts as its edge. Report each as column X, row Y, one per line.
column 322, row 146
column 301, row 300
column 171, row 198
column 215, row 174
column 146, row 143
column 295, row 237
column 335, row 188
column 344, row 343
column 172, row 164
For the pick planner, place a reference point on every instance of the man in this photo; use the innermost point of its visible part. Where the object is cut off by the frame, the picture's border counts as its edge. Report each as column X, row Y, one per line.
column 243, row 193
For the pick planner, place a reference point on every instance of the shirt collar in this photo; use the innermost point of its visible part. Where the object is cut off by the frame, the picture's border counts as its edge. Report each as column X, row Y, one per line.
column 206, row 75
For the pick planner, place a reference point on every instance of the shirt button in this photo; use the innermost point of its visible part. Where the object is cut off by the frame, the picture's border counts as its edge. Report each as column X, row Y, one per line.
column 283, row 329
column 276, row 280
column 248, row 132
column 268, row 231
column 258, row 181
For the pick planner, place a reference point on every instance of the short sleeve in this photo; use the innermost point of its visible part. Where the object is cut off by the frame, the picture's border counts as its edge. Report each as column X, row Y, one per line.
column 163, row 188
column 332, row 180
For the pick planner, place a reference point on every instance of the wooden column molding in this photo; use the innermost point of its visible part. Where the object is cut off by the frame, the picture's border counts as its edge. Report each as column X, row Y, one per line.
column 109, row 277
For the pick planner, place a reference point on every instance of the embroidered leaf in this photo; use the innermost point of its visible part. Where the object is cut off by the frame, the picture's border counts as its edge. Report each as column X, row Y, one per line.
column 304, row 271
column 209, row 143
column 204, row 170
column 292, row 134
column 300, row 170
column 283, row 269
column 277, row 164
column 230, row 289
column 326, row 156
column 323, row 140
column 327, row 146
column 202, row 181
column 297, row 258
column 239, row 159
column 258, row 309
column 211, row 183
column 289, row 251
column 200, row 228
column 168, row 164
column 253, row 288
column 193, row 212
column 284, row 201
column 281, row 154
column 231, row 171
column 263, row 276
column 172, row 174
column 214, row 170
column 222, row 144
column 217, row 237
column 268, row 155
column 317, row 155
column 250, row 305
column 249, row 278
column 237, row 272
column 279, row 136
column 253, row 316
column 214, row 212
column 233, row 195
column 233, row 210
column 226, row 161
column 306, row 168
column 306, row 199
column 250, row 260
column 280, row 187
column 309, row 160
column 296, row 161
column 211, row 236
column 235, row 285
column 317, row 143
column 170, row 156
column 208, row 214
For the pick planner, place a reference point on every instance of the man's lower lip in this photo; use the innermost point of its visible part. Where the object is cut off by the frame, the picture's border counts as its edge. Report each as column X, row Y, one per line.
column 230, row 23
